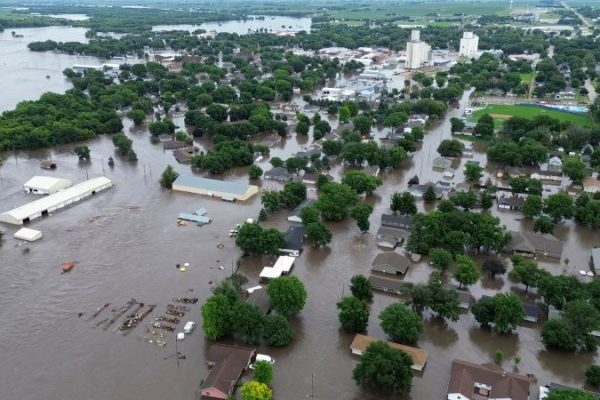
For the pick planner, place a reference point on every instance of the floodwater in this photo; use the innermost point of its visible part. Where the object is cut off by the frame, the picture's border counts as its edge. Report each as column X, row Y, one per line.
column 242, row 27
column 125, row 244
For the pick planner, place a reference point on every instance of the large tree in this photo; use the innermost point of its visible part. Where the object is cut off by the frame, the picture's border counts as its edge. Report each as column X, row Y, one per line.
column 575, row 170
column 360, row 286
column 247, row 322
column 451, row 148
column 401, row 324
column 557, row 334
column 168, row 176
column 473, row 172
column 361, row 182
column 466, row 272
column 403, row 203
column 384, row 368
column 277, row 331
column 509, row 312
column 335, row 199
column 570, row 394
column 217, row 316
column 485, row 126
column 361, row 214
column 353, row 314
column 526, row 271
column 263, row 372
column 318, row 234
column 532, row 207
column 287, row 295
column 559, row 206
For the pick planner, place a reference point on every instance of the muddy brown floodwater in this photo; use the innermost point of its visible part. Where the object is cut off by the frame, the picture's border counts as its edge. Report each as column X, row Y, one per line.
column 125, row 244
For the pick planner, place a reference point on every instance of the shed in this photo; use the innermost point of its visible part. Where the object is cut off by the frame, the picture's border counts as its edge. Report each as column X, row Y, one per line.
column 419, row 357
column 391, row 263
column 215, row 188
column 30, row 235
column 46, row 185
column 46, row 205
column 532, row 312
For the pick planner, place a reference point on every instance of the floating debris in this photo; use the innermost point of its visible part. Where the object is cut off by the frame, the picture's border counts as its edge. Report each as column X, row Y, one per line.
column 171, row 320
column 119, row 313
column 134, row 319
column 161, row 325
column 186, row 300
column 176, row 313
column 98, row 311
column 178, row 307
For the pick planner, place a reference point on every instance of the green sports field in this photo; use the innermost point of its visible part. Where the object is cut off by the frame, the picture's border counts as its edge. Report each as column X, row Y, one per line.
column 501, row 113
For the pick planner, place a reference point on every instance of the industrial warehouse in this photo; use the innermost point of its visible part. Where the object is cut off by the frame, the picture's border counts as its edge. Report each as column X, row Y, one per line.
column 44, row 206
column 227, row 191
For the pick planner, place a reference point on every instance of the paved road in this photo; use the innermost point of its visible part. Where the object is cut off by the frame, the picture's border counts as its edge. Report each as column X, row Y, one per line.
column 587, row 31
column 592, row 94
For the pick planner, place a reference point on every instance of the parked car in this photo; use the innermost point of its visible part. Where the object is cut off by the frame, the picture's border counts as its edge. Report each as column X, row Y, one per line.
column 189, row 327
column 262, row 357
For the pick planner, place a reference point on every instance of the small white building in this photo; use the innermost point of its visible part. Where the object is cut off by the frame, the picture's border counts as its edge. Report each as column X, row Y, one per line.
column 46, row 185
column 46, row 205
column 30, row 235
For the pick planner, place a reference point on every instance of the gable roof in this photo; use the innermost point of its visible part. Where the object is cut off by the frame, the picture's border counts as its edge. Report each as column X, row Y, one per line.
column 228, row 364
column 390, row 262
column 419, row 356
column 529, row 242
column 294, row 237
column 396, row 220
column 504, row 385
column 512, row 201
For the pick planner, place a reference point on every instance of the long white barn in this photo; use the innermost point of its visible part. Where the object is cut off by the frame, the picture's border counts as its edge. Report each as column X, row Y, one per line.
column 44, row 206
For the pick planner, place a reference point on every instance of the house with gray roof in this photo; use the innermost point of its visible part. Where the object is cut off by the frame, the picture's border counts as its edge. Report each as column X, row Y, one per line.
column 531, row 244
column 390, row 263
column 279, row 174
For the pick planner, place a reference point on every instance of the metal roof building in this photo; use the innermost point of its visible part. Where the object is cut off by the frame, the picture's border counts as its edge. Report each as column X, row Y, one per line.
column 46, row 185
column 228, row 191
column 46, row 205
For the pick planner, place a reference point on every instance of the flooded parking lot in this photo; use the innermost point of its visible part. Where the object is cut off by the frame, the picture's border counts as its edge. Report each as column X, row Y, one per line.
column 125, row 244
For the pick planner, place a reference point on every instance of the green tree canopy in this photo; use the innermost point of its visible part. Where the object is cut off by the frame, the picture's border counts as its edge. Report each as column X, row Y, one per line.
column 287, row 295
column 400, row 323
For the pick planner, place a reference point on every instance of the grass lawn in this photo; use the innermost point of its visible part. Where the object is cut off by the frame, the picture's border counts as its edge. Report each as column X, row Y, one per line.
column 527, row 78
column 504, row 112
column 581, row 98
column 470, row 138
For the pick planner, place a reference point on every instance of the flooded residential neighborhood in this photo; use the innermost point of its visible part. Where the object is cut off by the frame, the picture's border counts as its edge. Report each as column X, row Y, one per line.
column 125, row 243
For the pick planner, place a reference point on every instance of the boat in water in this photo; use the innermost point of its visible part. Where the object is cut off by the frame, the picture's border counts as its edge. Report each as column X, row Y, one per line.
column 67, row 267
